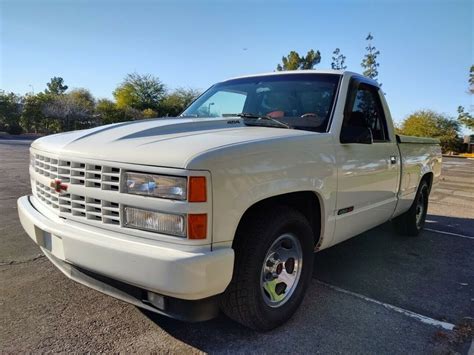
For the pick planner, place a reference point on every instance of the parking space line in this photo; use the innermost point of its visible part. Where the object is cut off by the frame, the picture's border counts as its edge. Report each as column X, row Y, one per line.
column 449, row 233
column 419, row 317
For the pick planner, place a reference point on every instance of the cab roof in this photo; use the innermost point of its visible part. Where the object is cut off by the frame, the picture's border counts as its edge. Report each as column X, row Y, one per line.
column 345, row 73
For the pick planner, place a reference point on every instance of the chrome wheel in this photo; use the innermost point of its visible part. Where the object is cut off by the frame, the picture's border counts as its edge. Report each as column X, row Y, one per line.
column 281, row 270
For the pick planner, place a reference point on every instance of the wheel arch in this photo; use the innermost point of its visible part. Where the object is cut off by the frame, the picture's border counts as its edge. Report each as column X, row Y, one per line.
column 428, row 177
column 308, row 203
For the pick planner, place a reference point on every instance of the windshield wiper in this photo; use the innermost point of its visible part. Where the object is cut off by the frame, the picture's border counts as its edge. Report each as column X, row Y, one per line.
column 258, row 117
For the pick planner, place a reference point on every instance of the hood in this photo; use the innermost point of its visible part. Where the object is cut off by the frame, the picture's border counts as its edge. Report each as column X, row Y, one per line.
column 160, row 142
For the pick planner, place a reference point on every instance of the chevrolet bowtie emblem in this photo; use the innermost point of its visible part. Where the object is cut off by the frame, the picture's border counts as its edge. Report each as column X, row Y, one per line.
column 58, row 186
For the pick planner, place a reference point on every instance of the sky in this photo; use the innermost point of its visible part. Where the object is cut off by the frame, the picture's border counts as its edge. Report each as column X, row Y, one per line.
column 426, row 46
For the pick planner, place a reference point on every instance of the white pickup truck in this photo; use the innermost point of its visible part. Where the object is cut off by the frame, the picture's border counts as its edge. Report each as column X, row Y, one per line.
column 224, row 206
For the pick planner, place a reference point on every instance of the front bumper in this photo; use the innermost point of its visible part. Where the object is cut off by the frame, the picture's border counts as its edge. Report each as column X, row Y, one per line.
column 81, row 252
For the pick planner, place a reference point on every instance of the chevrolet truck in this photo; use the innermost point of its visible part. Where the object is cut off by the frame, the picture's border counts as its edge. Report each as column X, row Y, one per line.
column 223, row 207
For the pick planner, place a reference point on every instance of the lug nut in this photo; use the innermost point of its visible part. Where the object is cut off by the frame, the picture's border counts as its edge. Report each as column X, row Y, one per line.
column 290, row 265
column 279, row 269
column 280, row 288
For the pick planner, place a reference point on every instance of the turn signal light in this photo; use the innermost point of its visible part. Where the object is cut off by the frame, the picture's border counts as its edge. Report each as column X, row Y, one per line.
column 197, row 189
column 197, row 226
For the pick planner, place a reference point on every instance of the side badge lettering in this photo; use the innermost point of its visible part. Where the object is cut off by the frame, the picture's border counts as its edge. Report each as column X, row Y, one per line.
column 345, row 210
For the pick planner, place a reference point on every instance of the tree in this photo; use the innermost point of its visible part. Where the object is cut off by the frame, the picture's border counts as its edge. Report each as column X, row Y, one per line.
column 56, row 86
column 471, row 80
column 465, row 117
column 176, row 102
column 32, row 116
column 290, row 62
column 338, row 60
column 132, row 113
column 73, row 111
column 427, row 123
column 10, row 111
column 108, row 112
column 369, row 62
column 293, row 61
column 311, row 59
column 83, row 96
column 125, row 96
column 140, row 92
column 149, row 113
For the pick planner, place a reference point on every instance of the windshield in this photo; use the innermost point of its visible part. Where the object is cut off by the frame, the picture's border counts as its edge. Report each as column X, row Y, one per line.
column 302, row 101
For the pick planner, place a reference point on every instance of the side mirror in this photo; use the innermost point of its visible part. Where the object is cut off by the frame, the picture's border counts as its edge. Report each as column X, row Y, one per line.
column 356, row 134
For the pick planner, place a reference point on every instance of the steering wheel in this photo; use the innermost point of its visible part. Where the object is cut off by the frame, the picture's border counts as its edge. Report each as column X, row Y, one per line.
column 276, row 114
column 309, row 114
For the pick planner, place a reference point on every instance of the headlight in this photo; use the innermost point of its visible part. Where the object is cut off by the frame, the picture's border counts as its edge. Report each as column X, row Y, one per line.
column 171, row 187
column 165, row 223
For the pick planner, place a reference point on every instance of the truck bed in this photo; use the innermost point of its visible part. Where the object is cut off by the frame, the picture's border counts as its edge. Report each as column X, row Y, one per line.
column 419, row 155
column 416, row 140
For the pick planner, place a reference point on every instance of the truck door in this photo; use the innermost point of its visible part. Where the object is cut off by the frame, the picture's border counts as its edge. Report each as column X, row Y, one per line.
column 368, row 169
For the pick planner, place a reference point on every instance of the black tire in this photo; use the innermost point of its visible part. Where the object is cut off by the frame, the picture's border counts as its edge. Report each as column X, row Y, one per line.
column 411, row 222
column 243, row 300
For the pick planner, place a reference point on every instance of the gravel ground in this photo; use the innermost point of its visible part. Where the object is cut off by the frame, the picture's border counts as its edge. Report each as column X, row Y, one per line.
column 433, row 275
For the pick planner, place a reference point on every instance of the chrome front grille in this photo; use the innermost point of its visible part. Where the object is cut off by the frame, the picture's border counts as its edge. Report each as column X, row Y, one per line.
column 84, row 182
column 78, row 173
column 90, row 208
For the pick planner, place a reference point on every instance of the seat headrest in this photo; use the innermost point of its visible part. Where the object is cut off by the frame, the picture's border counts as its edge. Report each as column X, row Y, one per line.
column 357, row 118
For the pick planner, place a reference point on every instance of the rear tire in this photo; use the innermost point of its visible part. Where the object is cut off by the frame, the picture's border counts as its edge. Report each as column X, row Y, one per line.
column 411, row 222
column 273, row 267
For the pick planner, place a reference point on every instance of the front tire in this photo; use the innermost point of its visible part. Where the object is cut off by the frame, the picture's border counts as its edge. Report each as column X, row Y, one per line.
column 273, row 267
column 412, row 222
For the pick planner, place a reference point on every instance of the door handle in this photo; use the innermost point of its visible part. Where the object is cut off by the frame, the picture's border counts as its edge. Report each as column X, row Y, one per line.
column 393, row 159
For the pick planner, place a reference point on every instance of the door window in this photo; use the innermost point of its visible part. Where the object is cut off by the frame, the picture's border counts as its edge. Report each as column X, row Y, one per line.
column 367, row 110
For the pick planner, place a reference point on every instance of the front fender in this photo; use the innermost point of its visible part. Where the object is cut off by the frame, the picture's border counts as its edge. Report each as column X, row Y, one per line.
column 245, row 175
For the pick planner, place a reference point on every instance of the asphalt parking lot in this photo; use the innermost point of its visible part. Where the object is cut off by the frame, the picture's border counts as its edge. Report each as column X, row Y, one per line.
column 376, row 293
